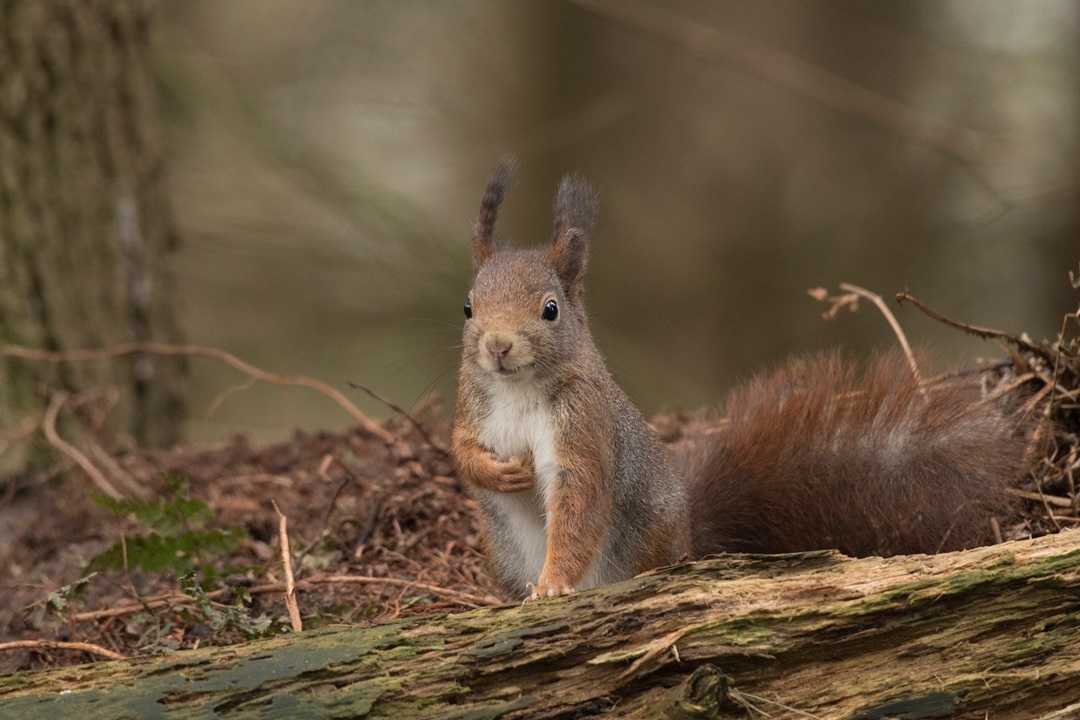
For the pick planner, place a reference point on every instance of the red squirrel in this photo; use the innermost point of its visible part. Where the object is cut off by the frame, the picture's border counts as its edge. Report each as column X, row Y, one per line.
column 576, row 490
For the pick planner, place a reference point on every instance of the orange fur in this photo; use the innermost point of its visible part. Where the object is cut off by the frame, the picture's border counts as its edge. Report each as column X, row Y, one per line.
column 580, row 515
column 476, row 463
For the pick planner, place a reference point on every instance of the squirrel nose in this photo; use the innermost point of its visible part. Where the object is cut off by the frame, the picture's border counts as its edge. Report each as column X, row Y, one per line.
column 498, row 350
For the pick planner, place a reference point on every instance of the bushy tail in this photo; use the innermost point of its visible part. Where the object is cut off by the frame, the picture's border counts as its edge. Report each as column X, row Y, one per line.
column 823, row 454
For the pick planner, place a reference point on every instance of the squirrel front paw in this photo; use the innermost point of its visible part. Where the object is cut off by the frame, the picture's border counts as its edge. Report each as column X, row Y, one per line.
column 547, row 587
column 512, row 476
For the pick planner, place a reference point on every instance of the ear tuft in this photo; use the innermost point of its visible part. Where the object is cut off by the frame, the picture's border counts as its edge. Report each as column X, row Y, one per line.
column 575, row 216
column 575, row 205
column 483, row 235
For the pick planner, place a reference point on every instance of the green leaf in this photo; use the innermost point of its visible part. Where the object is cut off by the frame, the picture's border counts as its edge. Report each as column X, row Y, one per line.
column 158, row 553
column 171, row 514
column 57, row 600
column 234, row 616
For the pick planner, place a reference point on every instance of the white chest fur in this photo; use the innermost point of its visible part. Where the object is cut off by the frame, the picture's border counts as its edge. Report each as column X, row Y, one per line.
column 519, row 422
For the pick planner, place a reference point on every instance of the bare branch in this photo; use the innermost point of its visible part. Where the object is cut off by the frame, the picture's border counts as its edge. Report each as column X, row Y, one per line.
column 156, row 348
column 796, row 75
column 985, row 333
column 48, row 425
column 401, row 411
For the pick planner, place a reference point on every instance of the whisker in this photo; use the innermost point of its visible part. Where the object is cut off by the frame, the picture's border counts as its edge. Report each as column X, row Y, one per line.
column 456, row 327
column 395, row 366
column 426, row 392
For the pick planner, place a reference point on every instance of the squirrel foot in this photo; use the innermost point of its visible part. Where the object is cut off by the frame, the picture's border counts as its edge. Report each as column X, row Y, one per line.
column 546, row 588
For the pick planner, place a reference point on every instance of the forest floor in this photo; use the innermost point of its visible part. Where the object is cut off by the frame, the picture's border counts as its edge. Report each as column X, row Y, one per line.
column 377, row 530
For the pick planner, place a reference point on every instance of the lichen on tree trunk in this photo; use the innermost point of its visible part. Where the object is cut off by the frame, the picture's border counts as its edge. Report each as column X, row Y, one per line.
column 991, row 632
column 86, row 235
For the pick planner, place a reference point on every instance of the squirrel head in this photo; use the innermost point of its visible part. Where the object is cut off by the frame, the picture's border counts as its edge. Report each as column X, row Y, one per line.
column 525, row 316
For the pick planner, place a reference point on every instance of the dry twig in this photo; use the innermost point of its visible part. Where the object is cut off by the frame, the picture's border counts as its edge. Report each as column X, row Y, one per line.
column 103, row 458
column 156, row 348
column 1045, row 499
column 58, row 645
column 404, row 413
column 48, row 426
column 160, row 601
column 286, row 560
column 880, row 303
column 466, row 599
column 850, row 300
column 985, row 333
column 152, row 603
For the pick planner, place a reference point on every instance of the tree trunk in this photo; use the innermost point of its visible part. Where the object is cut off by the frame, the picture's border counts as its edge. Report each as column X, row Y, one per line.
column 991, row 632
column 86, row 235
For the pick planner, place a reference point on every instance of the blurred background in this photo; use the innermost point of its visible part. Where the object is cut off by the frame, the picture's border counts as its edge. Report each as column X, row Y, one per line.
column 326, row 159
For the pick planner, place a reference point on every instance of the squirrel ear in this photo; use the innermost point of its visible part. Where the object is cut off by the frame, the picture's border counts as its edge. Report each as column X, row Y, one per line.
column 575, row 215
column 483, row 234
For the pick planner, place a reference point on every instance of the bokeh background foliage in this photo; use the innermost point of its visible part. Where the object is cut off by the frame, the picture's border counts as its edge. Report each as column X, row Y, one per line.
column 325, row 160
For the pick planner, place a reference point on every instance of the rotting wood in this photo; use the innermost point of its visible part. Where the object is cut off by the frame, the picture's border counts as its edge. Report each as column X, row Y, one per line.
column 988, row 632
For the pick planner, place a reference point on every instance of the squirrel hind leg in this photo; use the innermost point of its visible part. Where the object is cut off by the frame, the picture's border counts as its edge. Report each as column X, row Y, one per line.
column 823, row 454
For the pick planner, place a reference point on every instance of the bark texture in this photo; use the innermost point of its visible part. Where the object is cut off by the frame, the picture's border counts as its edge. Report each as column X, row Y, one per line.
column 85, row 227
column 991, row 632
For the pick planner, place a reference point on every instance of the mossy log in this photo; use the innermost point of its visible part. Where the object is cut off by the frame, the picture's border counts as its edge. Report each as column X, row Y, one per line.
column 992, row 632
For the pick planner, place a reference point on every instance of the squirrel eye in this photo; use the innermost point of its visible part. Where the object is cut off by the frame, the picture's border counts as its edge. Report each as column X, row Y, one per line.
column 468, row 308
column 551, row 310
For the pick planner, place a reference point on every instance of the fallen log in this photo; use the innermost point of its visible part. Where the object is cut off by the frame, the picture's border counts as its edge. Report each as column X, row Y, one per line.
column 991, row 632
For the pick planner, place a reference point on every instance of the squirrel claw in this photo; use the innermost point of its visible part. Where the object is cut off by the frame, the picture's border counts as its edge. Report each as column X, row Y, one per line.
column 537, row 591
